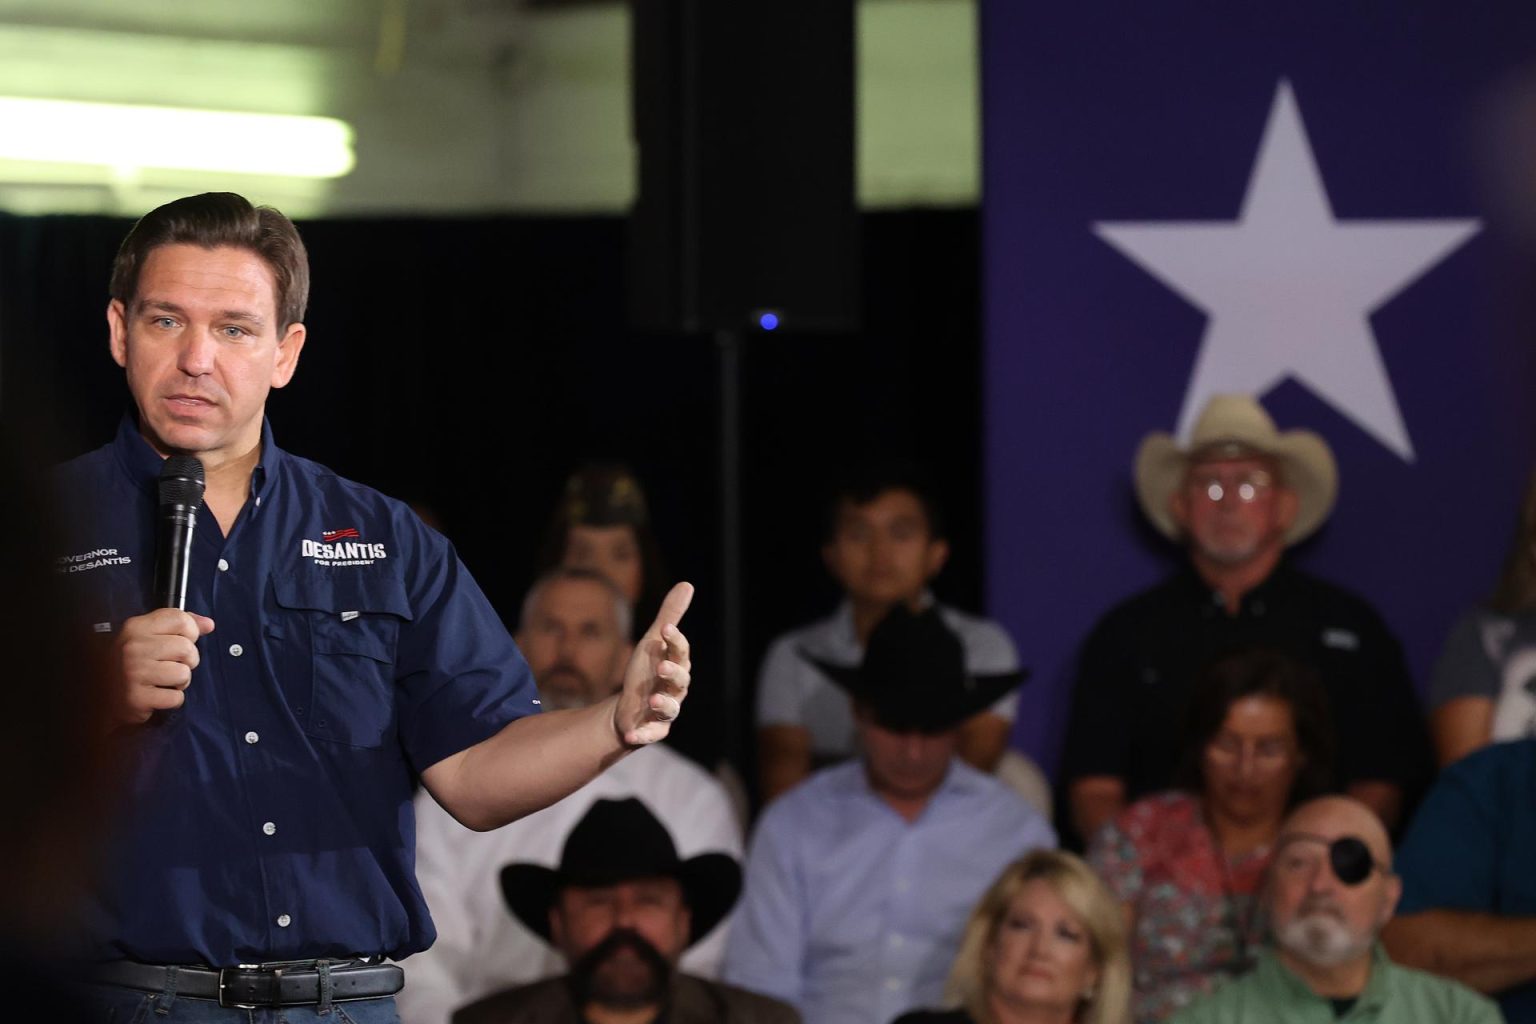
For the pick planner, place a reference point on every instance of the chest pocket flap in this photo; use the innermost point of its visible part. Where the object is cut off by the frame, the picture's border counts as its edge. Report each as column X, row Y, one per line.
column 351, row 621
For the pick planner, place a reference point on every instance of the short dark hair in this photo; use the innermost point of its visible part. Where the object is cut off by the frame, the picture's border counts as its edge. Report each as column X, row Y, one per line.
column 865, row 483
column 1261, row 672
column 216, row 219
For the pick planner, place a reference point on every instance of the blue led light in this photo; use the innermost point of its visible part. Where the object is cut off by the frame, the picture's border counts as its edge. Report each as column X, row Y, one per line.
column 768, row 321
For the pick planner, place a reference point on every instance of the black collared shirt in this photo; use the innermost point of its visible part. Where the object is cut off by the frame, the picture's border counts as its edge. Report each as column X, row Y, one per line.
column 1139, row 664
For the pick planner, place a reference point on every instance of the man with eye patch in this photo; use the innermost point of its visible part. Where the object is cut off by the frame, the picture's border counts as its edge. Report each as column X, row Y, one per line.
column 1330, row 890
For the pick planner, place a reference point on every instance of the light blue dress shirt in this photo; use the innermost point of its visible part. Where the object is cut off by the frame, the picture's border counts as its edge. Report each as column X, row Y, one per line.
column 853, row 914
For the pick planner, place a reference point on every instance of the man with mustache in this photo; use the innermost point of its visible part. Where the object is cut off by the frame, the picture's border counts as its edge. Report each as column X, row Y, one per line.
column 574, row 631
column 1330, row 890
column 621, row 907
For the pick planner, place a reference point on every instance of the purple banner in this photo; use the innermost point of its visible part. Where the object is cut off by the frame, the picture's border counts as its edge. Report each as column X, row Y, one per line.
column 1330, row 206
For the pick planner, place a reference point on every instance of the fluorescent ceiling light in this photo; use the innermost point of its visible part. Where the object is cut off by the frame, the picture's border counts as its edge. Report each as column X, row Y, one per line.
column 174, row 138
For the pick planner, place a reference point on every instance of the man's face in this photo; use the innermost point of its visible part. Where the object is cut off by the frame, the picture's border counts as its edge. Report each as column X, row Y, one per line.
column 1317, row 918
column 622, row 940
column 572, row 642
column 883, row 552
column 202, row 347
column 1234, row 510
column 903, row 765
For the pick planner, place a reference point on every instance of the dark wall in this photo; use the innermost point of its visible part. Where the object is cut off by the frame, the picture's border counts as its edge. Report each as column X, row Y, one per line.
column 469, row 365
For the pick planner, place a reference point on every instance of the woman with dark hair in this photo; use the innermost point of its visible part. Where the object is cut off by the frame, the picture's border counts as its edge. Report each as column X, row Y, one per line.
column 603, row 523
column 1186, row 864
column 1483, row 688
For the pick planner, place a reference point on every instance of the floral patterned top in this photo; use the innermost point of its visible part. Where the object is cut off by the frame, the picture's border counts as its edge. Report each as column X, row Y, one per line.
column 1196, row 909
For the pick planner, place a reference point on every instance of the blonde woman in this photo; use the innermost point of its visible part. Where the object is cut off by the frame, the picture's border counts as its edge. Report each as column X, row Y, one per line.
column 1046, row 945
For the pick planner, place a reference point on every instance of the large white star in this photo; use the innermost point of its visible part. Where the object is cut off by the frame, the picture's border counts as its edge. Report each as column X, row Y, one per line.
column 1288, row 288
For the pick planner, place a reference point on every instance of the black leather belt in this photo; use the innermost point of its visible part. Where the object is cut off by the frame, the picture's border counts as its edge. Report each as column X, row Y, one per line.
column 291, row 984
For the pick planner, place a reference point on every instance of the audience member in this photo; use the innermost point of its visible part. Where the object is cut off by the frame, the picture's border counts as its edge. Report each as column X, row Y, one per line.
column 621, row 907
column 885, row 543
column 1331, row 889
column 1044, row 946
column 574, row 632
column 1469, row 878
column 1483, row 687
column 1236, row 496
column 603, row 523
column 1187, row 863
column 859, row 881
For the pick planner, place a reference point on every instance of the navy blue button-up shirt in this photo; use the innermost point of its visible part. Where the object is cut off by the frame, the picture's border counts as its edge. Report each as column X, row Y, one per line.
column 269, row 818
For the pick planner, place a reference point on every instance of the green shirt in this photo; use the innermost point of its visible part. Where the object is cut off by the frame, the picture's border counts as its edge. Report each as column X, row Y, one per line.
column 1272, row 994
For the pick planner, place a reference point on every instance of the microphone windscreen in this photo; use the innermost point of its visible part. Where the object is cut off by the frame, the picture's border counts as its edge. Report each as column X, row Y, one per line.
column 181, row 480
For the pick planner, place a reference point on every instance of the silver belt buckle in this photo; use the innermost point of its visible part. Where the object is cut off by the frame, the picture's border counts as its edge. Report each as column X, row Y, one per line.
column 277, row 982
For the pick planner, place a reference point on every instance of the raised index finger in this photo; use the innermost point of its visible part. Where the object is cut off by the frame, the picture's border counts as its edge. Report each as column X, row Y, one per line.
column 673, row 607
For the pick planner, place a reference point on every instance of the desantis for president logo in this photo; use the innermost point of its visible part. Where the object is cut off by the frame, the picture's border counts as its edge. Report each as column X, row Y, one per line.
column 342, row 547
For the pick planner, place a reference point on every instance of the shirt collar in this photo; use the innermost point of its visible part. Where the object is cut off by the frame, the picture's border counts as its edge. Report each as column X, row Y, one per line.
column 142, row 463
column 854, row 784
column 1268, row 594
column 1274, row 975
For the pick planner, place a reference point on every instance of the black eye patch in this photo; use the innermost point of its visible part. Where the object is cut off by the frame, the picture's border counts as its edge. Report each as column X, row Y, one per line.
column 1351, row 860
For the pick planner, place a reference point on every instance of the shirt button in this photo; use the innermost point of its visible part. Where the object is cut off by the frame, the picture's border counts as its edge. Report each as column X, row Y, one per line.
column 258, row 501
column 251, row 737
column 896, row 941
column 283, row 920
column 902, row 885
column 236, row 650
column 269, row 828
column 893, row 983
column 223, row 566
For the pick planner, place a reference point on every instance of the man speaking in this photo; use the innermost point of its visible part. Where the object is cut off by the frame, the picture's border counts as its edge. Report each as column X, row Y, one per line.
column 333, row 651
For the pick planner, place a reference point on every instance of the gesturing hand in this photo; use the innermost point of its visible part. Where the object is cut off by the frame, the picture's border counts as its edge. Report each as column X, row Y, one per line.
column 656, row 680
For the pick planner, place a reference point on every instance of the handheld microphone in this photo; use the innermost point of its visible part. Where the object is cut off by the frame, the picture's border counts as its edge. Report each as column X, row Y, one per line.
column 181, row 492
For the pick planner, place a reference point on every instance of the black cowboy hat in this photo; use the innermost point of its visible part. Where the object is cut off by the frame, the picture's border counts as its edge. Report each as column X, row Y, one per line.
column 621, row 841
column 913, row 676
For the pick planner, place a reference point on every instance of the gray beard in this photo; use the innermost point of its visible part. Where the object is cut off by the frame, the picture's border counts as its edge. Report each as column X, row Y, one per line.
column 1321, row 940
column 1231, row 557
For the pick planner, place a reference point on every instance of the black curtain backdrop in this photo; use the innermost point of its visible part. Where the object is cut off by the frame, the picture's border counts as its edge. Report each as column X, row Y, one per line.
column 470, row 365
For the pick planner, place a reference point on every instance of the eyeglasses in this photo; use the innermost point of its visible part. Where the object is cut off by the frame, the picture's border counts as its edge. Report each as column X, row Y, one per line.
column 1266, row 755
column 1248, row 487
column 1351, row 860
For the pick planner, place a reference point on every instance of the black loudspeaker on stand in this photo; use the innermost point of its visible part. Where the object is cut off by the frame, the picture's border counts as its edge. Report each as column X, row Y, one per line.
column 743, row 111
column 746, row 219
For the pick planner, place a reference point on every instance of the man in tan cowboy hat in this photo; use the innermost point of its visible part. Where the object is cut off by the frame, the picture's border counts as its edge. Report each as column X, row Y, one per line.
column 1236, row 496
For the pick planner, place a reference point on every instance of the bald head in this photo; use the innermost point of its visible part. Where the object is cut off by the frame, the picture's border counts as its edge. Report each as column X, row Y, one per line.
column 1335, row 817
column 1331, row 886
